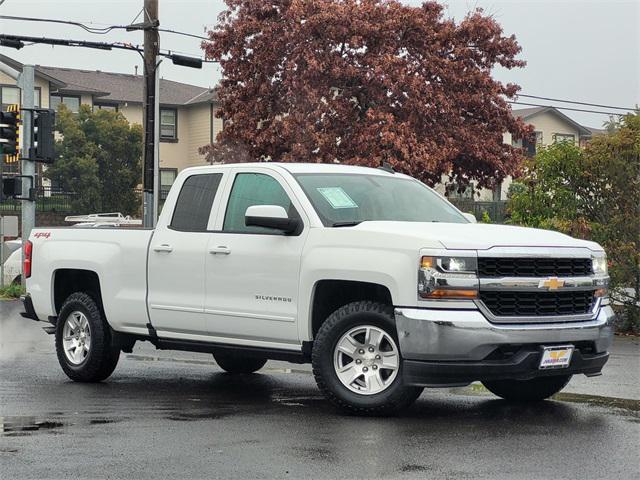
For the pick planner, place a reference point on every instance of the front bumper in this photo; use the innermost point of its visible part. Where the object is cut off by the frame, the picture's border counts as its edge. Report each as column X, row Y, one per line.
column 456, row 347
column 522, row 366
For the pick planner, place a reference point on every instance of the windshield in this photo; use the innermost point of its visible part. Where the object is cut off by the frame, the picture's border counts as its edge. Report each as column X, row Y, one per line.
column 348, row 199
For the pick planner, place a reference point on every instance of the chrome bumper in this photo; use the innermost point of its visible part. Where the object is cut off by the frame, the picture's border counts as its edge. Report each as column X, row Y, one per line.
column 466, row 335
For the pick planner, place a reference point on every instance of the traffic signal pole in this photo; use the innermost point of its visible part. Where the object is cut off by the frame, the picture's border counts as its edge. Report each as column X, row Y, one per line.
column 26, row 84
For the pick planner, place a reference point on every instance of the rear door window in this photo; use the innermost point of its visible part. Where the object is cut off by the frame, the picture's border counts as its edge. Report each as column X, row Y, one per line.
column 193, row 206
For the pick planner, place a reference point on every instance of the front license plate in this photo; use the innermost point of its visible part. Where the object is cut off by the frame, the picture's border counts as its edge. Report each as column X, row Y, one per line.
column 556, row 357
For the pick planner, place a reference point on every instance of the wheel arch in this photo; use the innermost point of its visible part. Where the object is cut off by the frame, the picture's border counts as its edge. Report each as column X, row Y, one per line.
column 331, row 294
column 70, row 280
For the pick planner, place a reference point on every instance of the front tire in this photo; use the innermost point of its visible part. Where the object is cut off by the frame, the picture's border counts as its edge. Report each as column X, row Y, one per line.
column 357, row 363
column 83, row 340
column 235, row 363
column 534, row 390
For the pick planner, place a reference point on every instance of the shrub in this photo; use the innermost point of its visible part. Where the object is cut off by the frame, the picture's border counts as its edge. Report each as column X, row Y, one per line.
column 592, row 194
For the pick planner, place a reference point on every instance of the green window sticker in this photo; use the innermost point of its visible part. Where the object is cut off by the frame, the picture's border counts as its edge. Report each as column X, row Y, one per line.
column 337, row 197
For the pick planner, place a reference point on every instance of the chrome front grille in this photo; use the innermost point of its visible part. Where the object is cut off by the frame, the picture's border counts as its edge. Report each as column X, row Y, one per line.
column 492, row 267
column 537, row 289
column 537, row 304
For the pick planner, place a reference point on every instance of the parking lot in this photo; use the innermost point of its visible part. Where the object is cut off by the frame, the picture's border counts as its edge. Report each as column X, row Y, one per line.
column 176, row 415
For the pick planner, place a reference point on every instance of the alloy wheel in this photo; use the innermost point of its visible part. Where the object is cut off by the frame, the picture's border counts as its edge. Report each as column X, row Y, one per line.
column 76, row 338
column 366, row 360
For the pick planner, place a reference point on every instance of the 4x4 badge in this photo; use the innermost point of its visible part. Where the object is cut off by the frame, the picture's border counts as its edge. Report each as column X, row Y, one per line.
column 553, row 283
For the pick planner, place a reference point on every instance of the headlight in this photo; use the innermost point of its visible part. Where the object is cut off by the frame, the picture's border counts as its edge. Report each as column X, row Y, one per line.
column 458, row 264
column 599, row 265
column 448, row 278
column 600, row 268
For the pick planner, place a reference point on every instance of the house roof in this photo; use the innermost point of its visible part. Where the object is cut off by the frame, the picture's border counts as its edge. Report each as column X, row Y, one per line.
column 16, row 65
column 209, row 95
column 597, row 131
column 115, row 87
column 121, row 87
column 528, row 113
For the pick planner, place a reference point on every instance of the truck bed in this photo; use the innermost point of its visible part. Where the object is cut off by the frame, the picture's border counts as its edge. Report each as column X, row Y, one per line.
column 117, row 255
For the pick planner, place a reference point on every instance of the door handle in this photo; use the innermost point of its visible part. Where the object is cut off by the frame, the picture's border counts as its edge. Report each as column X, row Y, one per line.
column 220, row 250
column 163, row 248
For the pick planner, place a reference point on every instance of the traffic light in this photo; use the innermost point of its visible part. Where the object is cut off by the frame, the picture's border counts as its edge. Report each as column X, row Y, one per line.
column 15, row 185
column 43, row 137
column 10, row 187
column 10, row 133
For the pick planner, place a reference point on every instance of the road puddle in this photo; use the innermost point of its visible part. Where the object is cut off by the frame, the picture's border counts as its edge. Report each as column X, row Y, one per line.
column 23, row 425
column 20, row 425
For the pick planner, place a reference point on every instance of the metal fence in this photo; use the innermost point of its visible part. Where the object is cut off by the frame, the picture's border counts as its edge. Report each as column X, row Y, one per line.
column 54, row 200
column 47, row 200
column 497, row 210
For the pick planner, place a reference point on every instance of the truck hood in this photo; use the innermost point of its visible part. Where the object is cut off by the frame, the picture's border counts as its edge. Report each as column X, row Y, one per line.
column 477, row 236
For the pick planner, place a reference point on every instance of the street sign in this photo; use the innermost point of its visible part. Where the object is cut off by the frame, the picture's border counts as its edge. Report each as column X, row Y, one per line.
column 9, row 227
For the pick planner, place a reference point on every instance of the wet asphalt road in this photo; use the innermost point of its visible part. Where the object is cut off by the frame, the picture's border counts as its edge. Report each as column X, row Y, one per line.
column 175, row 415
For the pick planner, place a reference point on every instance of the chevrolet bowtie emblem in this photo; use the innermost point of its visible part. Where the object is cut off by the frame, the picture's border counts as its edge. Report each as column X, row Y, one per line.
column 552, row 283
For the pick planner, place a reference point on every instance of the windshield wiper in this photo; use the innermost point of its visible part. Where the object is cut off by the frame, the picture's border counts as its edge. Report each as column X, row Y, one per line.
column 352, row 223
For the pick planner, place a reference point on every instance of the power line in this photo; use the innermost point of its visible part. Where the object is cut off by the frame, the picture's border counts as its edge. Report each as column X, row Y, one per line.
column 575, row 102
column 564, row 108
column 17, row 41
column 97, row 30
column 183, row 33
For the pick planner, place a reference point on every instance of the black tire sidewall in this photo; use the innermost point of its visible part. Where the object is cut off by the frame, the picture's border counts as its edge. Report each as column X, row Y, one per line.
column 534, row 390
column 101, row 352
column 337, row 325
column 236, row 363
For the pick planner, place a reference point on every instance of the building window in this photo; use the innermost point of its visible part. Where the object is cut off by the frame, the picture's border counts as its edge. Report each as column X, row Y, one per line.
column 167, row 177
column 539, row 138
column 72, row 102
column 529, row 146
column 111, row 107
column 9, row 96
column 564, row 137
column 168, row 124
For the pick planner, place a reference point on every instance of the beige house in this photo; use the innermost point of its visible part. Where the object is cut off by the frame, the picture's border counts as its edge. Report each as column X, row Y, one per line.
column 187, row 112
column 550, row 126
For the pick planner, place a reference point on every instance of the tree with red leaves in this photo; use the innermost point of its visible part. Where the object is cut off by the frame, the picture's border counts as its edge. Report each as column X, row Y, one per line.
column 364, row 82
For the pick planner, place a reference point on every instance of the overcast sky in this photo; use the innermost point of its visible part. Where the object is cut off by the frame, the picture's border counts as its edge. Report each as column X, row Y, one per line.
column 576, row 50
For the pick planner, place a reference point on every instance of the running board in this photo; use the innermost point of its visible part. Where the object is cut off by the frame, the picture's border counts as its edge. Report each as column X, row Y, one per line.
column 213, row 347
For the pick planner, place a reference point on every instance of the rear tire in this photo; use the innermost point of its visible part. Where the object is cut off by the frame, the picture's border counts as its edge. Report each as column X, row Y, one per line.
column 534, row 390
column 83, row 340
column 236, row 363
column 357, row 363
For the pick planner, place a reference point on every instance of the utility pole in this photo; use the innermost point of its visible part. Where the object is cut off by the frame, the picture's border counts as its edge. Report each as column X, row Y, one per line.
column 26, row 84
column 151, row 112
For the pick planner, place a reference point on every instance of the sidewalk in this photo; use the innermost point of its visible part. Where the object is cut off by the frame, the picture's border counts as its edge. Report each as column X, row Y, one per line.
column 620, row 376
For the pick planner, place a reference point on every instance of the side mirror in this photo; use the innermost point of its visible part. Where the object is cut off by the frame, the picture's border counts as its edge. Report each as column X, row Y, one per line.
column 270, row 216
column 470, row 216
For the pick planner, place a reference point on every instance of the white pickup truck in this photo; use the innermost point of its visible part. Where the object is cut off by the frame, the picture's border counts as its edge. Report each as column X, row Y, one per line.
column 369, row 275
